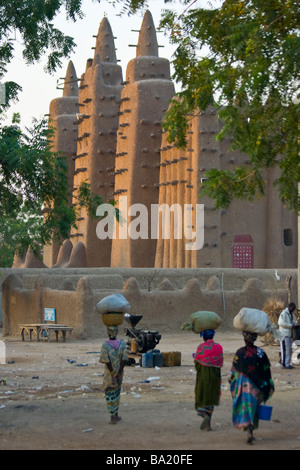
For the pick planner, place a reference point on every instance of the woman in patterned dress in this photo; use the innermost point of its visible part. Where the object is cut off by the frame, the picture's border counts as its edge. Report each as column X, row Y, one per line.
column 250, row 383
column 208, row 363
column 114, row 356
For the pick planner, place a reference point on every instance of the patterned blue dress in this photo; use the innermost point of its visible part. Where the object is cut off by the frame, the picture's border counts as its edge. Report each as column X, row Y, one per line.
column 251, row 384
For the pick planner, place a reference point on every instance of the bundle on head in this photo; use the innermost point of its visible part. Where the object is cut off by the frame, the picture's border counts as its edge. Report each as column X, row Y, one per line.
column 201, row 321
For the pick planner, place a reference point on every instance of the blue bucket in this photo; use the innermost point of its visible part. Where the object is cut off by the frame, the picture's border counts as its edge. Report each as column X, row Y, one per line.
column 265, row 412
column 147, row 359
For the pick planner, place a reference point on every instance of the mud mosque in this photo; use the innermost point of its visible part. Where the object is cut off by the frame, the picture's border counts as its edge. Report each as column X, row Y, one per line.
column 109, row 129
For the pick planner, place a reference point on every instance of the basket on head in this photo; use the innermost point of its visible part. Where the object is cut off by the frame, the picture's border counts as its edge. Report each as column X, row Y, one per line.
column 112, row 318
column 112, row 309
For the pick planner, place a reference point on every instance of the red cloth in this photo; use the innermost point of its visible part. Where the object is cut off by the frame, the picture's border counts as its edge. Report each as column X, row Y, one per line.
column 209, row 354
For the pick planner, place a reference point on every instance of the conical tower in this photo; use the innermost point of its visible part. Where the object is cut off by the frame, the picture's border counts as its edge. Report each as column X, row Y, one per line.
column 99, row 102
column 145, row 98
column 62, row 115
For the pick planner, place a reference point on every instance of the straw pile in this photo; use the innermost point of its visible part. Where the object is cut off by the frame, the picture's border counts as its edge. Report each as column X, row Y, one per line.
column 273, row 308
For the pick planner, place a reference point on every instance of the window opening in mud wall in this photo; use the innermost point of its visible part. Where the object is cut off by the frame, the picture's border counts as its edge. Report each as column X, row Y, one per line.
column 288, row 236
column 242, row 252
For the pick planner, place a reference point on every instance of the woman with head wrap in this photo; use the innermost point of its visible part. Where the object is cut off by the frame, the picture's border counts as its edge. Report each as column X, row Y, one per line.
column 114, row 356
column 208, row 363
column 251, row 384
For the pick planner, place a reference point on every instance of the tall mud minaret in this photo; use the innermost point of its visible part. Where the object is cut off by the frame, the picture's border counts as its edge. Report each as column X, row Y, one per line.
column 62, row 113
column 145, row 98
column 99, row 102
column 177, row 189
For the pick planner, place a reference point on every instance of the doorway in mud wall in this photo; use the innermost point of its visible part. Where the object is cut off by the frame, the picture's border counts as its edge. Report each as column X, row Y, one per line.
column 242, row 252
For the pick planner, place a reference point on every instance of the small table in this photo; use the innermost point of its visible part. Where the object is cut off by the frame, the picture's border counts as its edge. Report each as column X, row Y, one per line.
column 42, row 328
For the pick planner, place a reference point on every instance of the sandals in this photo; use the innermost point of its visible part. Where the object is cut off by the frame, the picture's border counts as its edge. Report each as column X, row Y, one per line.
column 114, row 419
column 205, row 426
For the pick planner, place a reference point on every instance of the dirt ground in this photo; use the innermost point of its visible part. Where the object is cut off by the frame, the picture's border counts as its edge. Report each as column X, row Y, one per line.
column 52, row 400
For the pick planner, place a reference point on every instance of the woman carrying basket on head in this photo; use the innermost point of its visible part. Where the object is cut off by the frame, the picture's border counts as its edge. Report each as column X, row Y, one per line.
column 114, row 356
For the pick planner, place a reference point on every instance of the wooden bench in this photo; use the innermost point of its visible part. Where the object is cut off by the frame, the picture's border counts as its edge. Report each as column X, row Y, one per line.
column 44, row 331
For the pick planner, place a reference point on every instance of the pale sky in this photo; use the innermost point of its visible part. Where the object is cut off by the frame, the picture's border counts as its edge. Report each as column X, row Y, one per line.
column 39, row 88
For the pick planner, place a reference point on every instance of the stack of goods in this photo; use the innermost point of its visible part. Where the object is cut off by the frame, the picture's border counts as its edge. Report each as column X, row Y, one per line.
column 112, row 308
column 201, row 321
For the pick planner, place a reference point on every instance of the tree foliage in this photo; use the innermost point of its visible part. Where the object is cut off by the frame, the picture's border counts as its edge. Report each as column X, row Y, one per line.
column 241, row 56
column 34, row 193
column 32, row 177
column 32, row 20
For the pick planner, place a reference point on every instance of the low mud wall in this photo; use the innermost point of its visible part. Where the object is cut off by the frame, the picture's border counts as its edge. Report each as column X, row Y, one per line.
column 165, row 297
